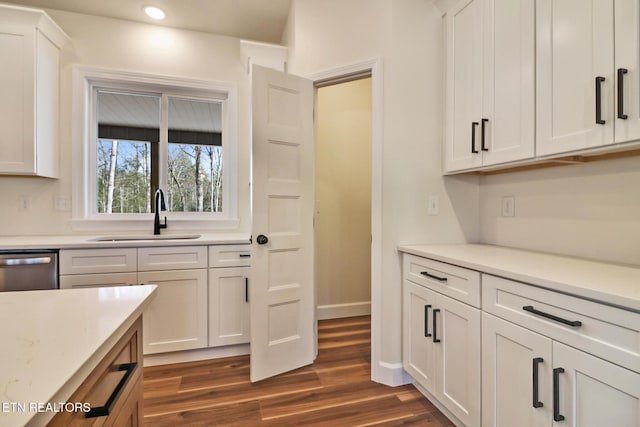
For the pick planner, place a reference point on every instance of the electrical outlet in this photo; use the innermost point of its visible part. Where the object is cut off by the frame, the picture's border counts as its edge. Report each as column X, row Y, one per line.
column 433, row 207
column 60, row 203
column 508, row 206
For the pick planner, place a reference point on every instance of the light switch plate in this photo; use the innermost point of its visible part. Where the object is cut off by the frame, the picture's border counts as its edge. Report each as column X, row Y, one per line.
column 433, row 205
column 508, row 206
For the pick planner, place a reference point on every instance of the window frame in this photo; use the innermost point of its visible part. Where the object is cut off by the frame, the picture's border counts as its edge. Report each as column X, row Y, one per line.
column 86, row 82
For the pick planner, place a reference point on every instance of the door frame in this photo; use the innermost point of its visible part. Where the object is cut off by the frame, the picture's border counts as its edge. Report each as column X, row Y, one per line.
column 372, row 68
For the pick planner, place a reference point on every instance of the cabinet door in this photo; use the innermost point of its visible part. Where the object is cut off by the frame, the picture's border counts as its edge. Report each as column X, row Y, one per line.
column 593, row 392
column 509, row 354
column 464, row 85
column 456, row 327
column 418, row 346
column 627, row 58
column 17, row 85
column 508, row 118
column 574, row 47
column 228, row 306
column 176, row 318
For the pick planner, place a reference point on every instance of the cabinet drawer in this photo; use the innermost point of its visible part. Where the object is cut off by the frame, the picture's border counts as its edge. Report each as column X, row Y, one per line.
column 172, row 258
column 98, row 280
column 456, row 282
column 607, row 332
column 115, row 378
column 230, row 256
column 84, row 261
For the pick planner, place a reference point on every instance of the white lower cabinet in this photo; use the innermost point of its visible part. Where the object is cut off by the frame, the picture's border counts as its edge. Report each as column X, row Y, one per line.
column 98, row 280
column 442, row 349
column 229, row 306
column 176, row 318
column 530, row 374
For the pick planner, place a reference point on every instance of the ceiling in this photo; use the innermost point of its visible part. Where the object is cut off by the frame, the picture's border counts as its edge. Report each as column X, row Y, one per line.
column 259, row 20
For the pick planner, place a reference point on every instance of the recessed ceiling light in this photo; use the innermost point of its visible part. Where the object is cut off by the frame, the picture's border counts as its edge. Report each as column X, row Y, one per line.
column 154, row 12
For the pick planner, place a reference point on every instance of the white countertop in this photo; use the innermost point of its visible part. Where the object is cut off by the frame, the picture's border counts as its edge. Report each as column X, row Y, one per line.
column 88, row 241
column 52, row 340
column 613, row 284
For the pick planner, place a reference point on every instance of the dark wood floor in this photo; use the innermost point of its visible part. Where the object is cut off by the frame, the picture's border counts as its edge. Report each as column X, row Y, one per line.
column 335, row 391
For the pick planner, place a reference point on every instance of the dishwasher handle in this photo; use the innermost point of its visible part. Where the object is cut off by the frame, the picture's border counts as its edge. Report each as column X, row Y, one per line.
column 25, row 261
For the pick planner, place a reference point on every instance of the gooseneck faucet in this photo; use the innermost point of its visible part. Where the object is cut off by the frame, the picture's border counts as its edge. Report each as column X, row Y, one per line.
column 159, row 204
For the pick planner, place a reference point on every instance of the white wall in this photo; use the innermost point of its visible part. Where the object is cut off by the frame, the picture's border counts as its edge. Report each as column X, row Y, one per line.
column 407, row 36
column 590, row 210
column 343, row 198
column 136, row 47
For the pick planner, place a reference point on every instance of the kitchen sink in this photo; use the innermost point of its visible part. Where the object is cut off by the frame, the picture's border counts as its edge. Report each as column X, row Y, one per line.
column 145, row 237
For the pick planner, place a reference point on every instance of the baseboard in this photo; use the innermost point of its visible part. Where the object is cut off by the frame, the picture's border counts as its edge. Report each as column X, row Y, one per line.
column 337, row 311
column 195, row 355
column 390, row 374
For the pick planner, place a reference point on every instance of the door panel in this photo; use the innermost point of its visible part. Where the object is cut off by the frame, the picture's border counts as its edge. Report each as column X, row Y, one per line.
column 627, row 56
column 282, row 304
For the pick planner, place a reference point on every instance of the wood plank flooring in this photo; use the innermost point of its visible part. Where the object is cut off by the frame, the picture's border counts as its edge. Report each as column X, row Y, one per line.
column 335, row 391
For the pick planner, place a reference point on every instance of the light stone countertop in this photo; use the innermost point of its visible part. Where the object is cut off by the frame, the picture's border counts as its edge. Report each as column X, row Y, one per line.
column 88, row 241
column 613, row 284
column 52, row 340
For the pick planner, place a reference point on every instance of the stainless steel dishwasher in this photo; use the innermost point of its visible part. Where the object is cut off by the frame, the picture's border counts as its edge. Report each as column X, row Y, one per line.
column 28, row 270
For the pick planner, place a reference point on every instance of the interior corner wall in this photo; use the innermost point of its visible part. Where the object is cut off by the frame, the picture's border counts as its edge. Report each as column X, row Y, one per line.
column 589, row 210
column 406, row 35
column 125, row 45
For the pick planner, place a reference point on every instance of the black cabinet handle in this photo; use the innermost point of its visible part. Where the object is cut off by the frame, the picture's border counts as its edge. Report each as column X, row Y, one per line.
column 556, row 394
column 599, row 119
column 435, row 325
column 621, row 73
column 246, row 289
column 432, row 276
column 245, row 255
column 536, row 400
column 426, row 320
column 473, row 137
column 483, row 146
column 103, row 411
column 572, row 323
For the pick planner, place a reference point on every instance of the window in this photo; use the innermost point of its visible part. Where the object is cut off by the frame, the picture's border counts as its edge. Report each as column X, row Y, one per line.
column 141, row 133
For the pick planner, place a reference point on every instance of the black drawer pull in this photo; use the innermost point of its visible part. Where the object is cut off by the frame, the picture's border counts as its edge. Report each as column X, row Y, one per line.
column 426, row 320
column 103, row 411
column 431, row 276
column 621, row 73
column 246, row 289
column 572, row 323
column 435, row 325
column 536, row 400
column 245, row 255
column 599, row 119
column 556, row 394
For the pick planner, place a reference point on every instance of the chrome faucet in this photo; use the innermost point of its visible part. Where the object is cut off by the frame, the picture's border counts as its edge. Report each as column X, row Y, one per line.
column 159, row 204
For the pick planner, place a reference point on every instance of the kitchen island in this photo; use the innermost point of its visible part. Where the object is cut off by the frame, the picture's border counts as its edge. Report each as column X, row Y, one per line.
column 53, row 340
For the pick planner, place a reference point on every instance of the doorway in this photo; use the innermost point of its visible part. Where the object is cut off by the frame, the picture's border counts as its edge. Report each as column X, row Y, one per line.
column 343, row 168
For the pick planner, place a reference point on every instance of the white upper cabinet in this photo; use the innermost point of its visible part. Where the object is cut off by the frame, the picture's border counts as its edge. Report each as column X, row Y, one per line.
column 29, row 46
column 588, row 82
column 490, row 80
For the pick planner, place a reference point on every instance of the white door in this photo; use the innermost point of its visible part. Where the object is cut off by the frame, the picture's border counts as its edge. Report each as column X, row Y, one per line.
column 627, row 59
column 574, row 54
column 507, row 129
column 464, row 86
column 457, row 330
column 419, row 357
column 282, row 291
column 516, row 375
column 593, row 392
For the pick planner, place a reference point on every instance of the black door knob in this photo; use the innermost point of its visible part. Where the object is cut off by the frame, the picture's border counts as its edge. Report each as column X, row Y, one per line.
column 262, row 239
